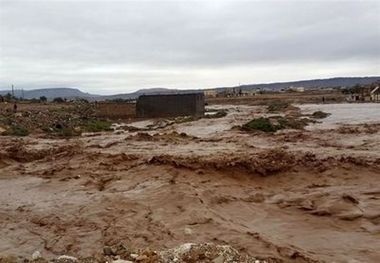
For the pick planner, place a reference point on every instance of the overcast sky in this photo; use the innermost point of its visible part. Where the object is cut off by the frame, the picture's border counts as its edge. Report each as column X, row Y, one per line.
column 120, row 46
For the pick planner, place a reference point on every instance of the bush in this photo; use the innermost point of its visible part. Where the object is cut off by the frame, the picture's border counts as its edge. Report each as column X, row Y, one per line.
column 260, row 124
column 16, row 130
column 97, row 126
column 278, row 106
column 58, row 100
column 276, row 123
column 292, row 123
column 218, row 114
column 320, row 115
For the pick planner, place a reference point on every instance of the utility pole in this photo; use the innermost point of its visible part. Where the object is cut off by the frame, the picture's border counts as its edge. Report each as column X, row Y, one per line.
column 13, row 91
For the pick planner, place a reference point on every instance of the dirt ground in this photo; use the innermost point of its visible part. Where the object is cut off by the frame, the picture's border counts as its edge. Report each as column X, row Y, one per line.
column 308, row 195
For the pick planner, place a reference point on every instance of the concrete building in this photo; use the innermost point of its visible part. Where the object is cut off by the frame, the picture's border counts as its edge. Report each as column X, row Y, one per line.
column 115, row 110
column 171, row 105
column 248, row 92
column 210, row 93
column 296, row 89
column 375, row 94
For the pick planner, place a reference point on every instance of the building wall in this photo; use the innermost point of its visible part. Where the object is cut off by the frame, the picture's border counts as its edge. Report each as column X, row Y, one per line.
column 151, row 106
column 210, row 93
column 119, row 110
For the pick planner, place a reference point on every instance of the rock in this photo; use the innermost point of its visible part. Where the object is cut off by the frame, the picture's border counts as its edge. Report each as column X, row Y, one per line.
column 122, row 250
column 134, row 256
column 9, row 259
column 256, row 198
column 121, row 261
column 219, row 259
column 277, row 199
column 36, row 255
column 108, row 251
column 66, row 259
column 188, row 231
column 307, row 204
column 350, row 215
column 141, row 257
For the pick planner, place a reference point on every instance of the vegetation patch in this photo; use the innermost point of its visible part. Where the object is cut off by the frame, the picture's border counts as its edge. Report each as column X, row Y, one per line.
column 216, row 115
column 260, row 124
column 320, row 114
column 184, row 119
column 277, row 106
column 275, row 123
column 76, row 128
column 16, row 130
column 95, row 125
column 292, row 123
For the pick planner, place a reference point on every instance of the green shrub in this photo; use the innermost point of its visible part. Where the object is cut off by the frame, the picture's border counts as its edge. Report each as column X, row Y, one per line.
column 292, row 123
column 260, row 124
column 320, row 114
column 278, row 106
column 275, row 123
column 16, row 130
column 97, row 126
column 218, row 114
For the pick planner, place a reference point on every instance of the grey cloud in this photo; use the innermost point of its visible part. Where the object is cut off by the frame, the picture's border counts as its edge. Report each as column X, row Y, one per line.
column 62, row 40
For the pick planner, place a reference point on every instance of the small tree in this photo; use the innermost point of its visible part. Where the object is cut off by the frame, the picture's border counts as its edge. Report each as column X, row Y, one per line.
column 43, row 99
column 58, row 100
column 8, row 97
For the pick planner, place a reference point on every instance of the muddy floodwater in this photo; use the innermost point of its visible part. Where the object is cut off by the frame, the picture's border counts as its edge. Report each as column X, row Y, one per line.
column 353, row 113
column 296, row 195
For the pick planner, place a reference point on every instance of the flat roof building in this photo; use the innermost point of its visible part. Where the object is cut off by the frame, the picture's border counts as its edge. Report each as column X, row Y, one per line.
column 170, row 105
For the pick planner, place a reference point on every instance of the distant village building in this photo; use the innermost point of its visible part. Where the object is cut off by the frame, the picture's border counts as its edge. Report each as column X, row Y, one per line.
column 375, row 94
column 231, row 92
column 354, row 97
column 248, row 92
column 171, row 105
column 296, row 89
column 364, row 93
column 210, row 93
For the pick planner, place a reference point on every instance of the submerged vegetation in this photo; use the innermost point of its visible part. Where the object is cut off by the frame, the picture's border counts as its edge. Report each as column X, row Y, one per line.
column 16, row 130
column 216, row 114
column 277, row 106
column 320, row 115
column 275, row 123
column 260, row 124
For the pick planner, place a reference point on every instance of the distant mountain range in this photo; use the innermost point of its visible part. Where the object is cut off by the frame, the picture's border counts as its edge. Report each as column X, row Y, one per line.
column 314, row 83
column 71, row 93
column 50, row 93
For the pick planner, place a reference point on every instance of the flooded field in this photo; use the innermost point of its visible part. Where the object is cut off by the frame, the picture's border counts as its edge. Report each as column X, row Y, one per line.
column 353, row 113
column 295, row 195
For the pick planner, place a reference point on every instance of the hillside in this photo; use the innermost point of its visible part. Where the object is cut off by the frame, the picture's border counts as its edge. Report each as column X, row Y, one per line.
column 50, row 93
column 76, row 93
column 314, row 83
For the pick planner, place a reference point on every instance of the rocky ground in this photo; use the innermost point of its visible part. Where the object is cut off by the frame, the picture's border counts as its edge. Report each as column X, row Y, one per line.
column 153, row 187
